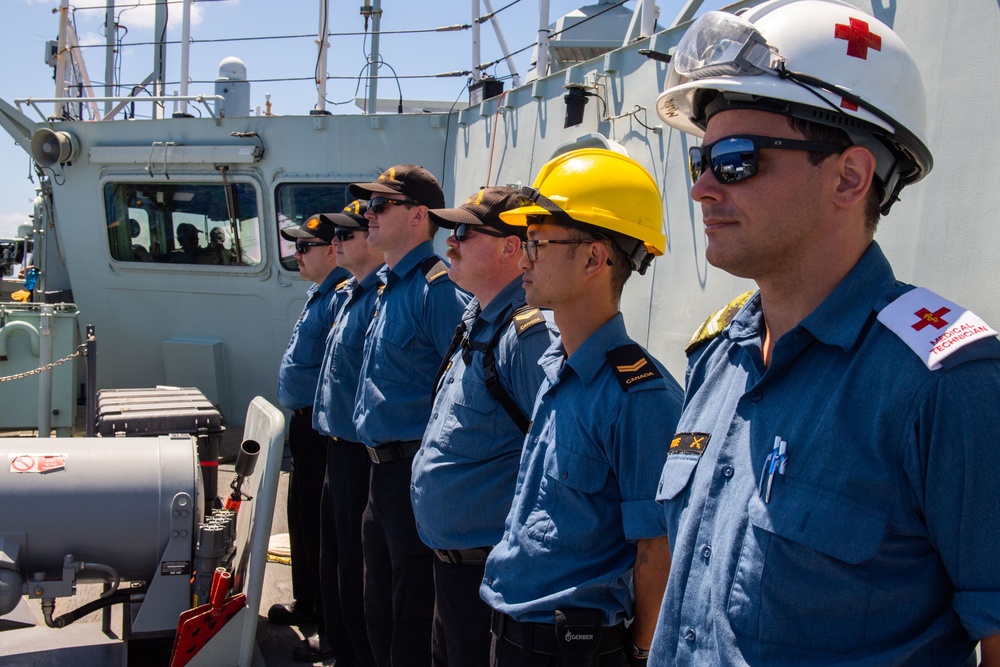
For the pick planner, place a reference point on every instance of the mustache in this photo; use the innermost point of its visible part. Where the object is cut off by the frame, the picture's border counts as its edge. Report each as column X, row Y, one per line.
column 452, row 254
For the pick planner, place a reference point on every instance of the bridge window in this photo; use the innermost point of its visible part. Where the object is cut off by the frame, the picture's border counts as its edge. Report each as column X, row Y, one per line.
column 183, row 223
column 296, row 202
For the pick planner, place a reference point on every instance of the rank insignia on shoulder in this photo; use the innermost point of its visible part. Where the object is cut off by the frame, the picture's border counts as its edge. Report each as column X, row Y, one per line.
column 689, row 443
column 932, row 326
column 433, row 268
column 526, row 317
column 718, row 321
column 632, row 365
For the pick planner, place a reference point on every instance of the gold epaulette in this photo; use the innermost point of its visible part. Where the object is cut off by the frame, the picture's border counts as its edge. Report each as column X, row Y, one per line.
column 433, row 268
column 527, row 317
column 719, row 320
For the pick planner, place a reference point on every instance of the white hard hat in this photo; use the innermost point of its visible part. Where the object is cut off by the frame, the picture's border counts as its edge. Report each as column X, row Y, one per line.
column 823, row 61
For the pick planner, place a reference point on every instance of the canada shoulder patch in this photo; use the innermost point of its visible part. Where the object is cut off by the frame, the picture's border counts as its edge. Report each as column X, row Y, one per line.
column 632, row 366
column 526, row 318
column 718, row 321
column 433, row 268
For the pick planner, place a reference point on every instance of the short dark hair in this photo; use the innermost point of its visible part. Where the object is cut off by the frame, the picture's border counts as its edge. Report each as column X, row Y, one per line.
column 828, row 134
column 621, row 264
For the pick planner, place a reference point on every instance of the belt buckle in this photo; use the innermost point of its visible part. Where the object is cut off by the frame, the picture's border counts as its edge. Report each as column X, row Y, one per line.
column 373, row 454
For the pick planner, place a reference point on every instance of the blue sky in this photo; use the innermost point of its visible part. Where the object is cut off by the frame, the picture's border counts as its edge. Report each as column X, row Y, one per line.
column 29, row 24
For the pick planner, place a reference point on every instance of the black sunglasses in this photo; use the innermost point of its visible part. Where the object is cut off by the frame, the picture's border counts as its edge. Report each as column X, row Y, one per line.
column 302, row 247
column 343, row 235
column 377, row 205
column 737, row 158
column 462, row 232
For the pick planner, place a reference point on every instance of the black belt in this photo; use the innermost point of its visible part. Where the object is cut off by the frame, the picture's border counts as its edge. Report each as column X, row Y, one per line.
column 302, row 412
column 393, row 451
column 341, row 441
column 475, row 556
column 541, row 637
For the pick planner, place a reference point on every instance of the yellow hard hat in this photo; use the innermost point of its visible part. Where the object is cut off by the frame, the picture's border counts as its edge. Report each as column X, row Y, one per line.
column 602, row 190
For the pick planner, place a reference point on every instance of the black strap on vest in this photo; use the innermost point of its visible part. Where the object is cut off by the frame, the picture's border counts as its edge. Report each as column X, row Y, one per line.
column 492, row 379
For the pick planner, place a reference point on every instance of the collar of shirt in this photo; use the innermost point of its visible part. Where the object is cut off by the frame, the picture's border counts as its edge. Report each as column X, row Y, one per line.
column 408, row 263
column 839, row 320
column 506, row 301
column 588, row 360
column 335, row 278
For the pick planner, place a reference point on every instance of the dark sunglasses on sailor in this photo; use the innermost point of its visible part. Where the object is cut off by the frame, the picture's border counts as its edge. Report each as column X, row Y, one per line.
column 377, row 205
column 737, row 158
column 302, row 247
column 343, row 235
column 462, row 232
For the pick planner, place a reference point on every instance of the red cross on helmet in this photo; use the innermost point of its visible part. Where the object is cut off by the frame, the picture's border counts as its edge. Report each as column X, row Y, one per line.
column 824, row 61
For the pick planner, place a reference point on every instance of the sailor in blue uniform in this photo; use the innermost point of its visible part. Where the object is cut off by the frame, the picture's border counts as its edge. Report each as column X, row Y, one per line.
column 415, row 317
column 345, row 488
column 297, row 379
column 484, row 396
column 584, row 522
column 831, row 491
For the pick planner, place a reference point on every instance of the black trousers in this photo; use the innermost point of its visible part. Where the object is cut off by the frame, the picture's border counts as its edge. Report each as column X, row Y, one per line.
column 399, row 581
column 305, row 486
column 461, row 634
column 537, row 645
column 345, row 495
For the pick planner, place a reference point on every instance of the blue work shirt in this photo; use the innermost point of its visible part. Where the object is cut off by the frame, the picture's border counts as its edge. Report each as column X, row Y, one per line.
column 333, row 409
column 880, row 543
column 586, row 485
column 471, row 447
column 299, row 370
column 415, row 318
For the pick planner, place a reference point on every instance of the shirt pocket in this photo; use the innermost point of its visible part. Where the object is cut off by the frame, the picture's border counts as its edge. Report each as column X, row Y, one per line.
column 568, row 510
column 804, row 576
column 677, row 473
column 392, row 343
column 473, row 413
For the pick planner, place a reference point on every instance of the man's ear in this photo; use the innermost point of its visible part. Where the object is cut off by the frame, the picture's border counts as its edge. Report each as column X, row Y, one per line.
column 855, row 173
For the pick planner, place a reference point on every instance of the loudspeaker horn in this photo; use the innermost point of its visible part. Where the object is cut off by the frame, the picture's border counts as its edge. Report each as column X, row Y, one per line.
column 49, row 147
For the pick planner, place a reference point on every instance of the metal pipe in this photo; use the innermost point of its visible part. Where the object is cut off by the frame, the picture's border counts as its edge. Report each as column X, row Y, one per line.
column 61, row 57
column 511, row 67
column 45, row 377
column 649, row 12
column 185, row 54
column 476, row 51
column 91, row 406
column 542, row 62
column 109, row 52
column 18, row 325
column 324, row 46
column 373, row 58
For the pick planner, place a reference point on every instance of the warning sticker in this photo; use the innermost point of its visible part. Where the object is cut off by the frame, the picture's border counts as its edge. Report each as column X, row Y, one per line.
column 40, row 463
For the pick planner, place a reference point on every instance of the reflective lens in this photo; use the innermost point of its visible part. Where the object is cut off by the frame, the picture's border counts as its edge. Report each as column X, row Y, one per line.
column 302, row 247
column 377, row 205
column 343, row 235
column 737, row 158
column 464, row 231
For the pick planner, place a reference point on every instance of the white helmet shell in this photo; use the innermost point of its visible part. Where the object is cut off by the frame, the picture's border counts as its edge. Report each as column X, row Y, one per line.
column 827, row 42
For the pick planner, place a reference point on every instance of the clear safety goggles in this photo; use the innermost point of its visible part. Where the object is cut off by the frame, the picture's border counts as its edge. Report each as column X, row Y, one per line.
column 722, row 44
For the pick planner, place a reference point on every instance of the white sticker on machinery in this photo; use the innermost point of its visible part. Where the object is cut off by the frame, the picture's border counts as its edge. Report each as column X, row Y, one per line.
column 39, row 463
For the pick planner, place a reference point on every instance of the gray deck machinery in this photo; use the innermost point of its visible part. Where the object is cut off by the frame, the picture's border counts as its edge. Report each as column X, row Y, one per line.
column 128, row 512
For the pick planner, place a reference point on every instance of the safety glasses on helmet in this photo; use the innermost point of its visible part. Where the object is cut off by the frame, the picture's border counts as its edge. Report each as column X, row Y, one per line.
column 737, row 158
column 302, row 247
column 377, row 205
column 463, row 231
